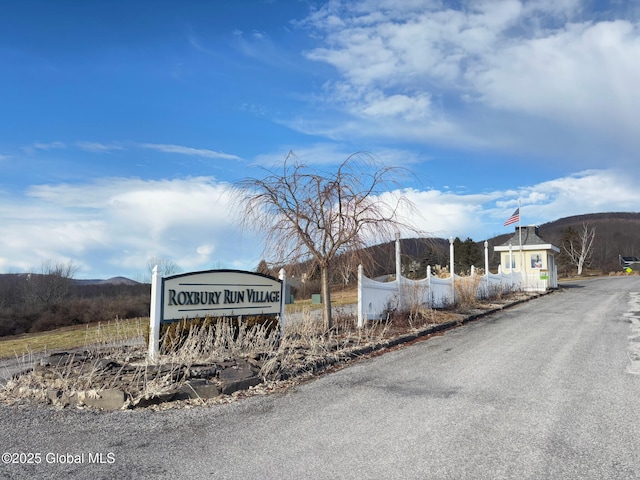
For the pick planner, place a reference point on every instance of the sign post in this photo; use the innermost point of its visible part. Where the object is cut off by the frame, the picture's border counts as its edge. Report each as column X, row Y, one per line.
column 155, row 314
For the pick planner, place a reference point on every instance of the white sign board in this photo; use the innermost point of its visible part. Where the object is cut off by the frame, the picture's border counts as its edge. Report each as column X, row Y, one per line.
column 219, row 293
column 212, row 293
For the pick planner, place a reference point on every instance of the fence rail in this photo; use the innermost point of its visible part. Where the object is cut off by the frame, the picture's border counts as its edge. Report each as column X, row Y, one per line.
column 376, row 299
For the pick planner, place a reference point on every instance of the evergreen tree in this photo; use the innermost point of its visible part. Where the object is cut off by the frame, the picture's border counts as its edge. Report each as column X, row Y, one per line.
column 466, row 254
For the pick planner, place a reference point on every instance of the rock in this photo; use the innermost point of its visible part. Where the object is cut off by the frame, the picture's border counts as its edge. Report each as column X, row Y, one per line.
column 105, row 364
column 203, row 372
column 109, row 399
column 226, row 363
column 228, row 387
column 59, row 398
column 197, row 388
column 68, row 398
column 154, row 400
column 234, row 379
column 253, row 365
column 53, row 395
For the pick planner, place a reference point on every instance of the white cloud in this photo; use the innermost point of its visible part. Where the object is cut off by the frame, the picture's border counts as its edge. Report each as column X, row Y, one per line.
column 98, row 147
column 445, row 214
column 112, row 226
column 49, row 146
column 590, row 191
column 321, row 155
column 580, row 74
column 522, row 76
column 182, row 150
column 31, row 149
column 480, row 216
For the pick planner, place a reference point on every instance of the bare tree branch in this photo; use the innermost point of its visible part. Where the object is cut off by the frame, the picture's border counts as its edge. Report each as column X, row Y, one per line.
column 51, row 284
column 167, row 266
column 311, row 215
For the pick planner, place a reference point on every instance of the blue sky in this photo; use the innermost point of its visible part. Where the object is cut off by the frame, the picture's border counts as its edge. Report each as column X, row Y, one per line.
column 124, row 122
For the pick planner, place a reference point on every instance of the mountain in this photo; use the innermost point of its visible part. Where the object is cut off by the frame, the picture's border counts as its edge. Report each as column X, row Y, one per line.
column 110, row 281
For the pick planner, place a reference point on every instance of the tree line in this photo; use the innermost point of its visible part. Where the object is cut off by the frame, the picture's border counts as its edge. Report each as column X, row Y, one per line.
column 51, row 298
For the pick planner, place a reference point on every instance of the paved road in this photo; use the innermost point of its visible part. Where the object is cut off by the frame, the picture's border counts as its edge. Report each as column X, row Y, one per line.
column 545, row 390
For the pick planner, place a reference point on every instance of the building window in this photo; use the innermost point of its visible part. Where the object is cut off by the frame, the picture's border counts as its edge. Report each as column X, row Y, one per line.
column 536, row 260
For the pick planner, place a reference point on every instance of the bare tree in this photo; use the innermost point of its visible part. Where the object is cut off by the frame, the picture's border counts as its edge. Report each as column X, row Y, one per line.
column 166, row 266
column 311, row 215
column 51, row 284
column 578, row 246
column 346, row 268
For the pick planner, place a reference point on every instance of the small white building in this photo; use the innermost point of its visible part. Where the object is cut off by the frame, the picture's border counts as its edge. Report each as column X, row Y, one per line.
column 529, row 254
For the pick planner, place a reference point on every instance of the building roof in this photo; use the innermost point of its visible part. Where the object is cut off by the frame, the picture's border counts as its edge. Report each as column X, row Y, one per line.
column 629, row 262
column 624, row 259
column 530, row 240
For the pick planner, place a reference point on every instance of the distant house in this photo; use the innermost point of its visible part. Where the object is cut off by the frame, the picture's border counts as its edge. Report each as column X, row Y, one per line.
column 629, row 262
column 529, row 254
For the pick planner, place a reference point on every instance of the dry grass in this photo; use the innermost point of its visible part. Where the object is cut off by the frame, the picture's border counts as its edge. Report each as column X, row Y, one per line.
column 338, row 299
column 207, row 342
column 624, row 274
column 73, row 337
column 466, row 291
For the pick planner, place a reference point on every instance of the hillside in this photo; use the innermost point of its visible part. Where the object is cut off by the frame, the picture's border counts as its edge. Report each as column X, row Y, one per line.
column 617, row 233
column 109, row 281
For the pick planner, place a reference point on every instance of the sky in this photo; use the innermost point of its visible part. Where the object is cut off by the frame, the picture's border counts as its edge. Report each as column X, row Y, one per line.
column 125, row 124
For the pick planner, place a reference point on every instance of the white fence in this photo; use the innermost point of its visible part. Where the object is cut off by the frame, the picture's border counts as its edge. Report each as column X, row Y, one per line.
column 376, row 298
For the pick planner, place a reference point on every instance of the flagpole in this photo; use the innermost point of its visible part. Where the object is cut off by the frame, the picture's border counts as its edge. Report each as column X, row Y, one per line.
column 519, row 228
column 522, row 270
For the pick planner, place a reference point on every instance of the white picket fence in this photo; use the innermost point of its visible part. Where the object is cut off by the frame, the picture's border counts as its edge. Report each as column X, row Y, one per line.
column 376, row 299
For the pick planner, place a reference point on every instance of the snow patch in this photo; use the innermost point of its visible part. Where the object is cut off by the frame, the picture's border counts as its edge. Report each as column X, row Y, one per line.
column 633, row 316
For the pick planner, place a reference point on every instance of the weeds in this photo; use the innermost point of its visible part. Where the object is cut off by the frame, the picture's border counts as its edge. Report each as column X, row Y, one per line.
column 204, row 341
column 466, row 291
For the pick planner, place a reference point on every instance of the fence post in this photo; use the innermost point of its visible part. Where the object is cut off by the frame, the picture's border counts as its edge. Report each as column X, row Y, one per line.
column 452, row 271
column 283, row 276
column 429, row 286
column 360, row 305
column 155, row 313
column 510, row 258
column 399, row 273
column 486, row 268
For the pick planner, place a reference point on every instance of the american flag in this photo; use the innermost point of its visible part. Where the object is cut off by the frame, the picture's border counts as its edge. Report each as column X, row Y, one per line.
column 513, row 218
